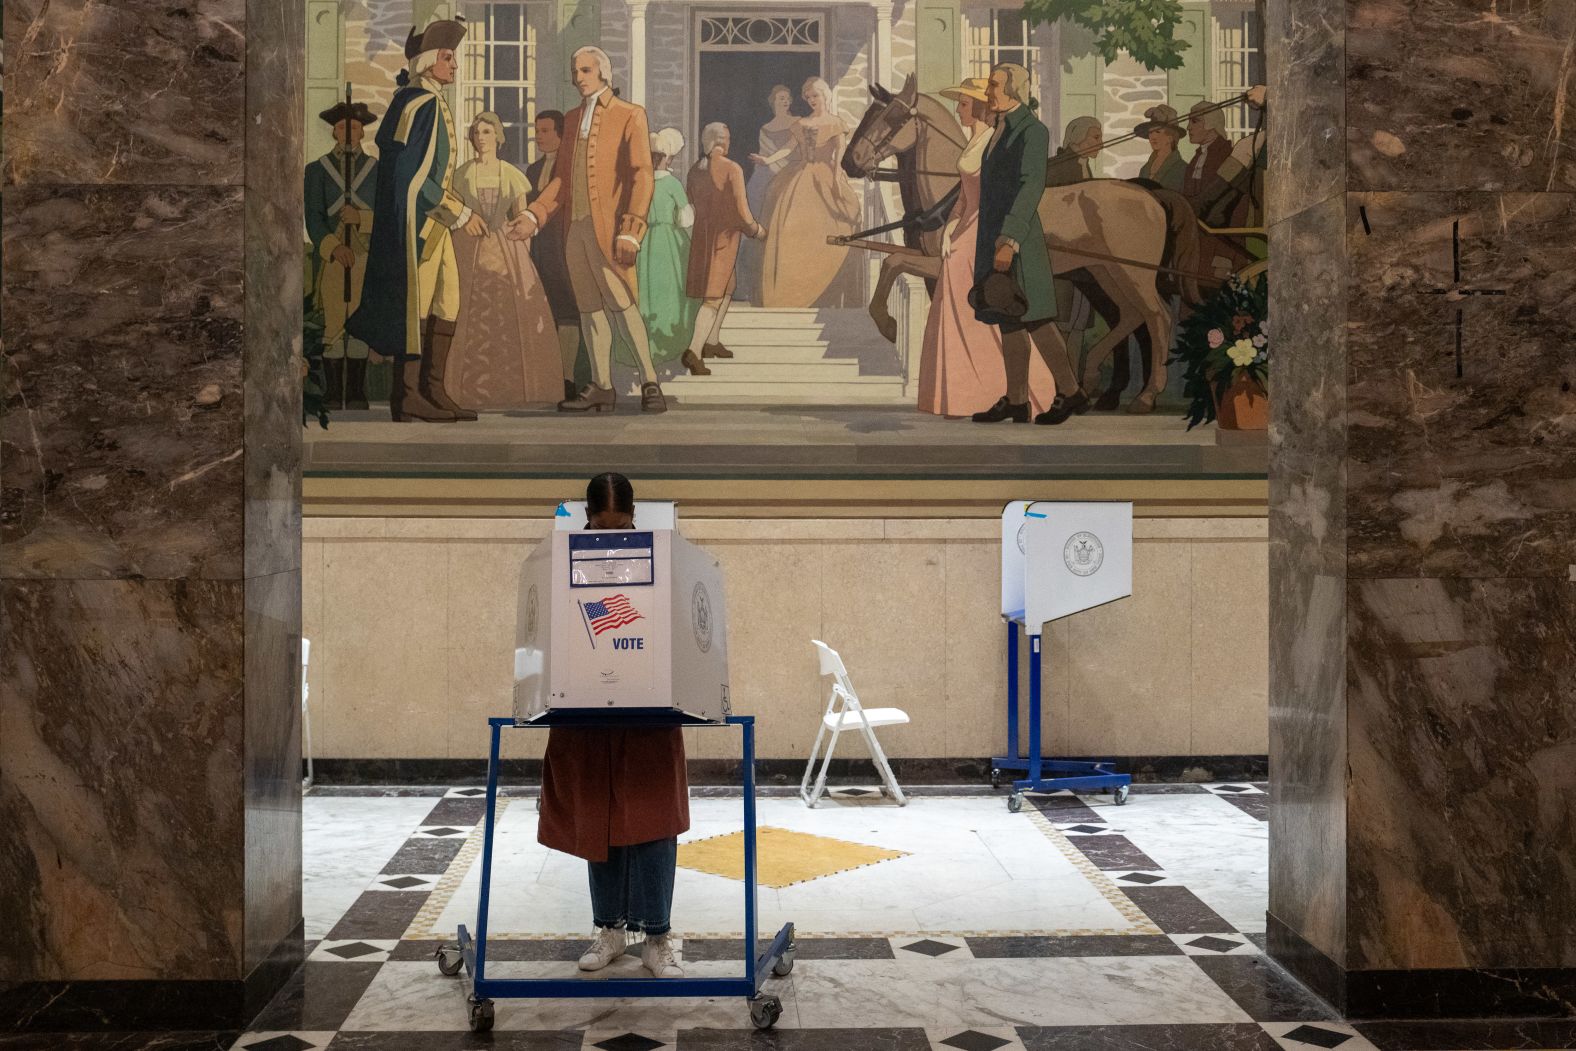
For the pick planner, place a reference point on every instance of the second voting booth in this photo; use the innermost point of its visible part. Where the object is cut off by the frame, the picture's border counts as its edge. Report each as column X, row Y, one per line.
column 1057, row 559
column 621, row 628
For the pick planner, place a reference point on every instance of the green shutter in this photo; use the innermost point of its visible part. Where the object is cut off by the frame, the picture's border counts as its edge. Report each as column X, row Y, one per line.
column 325, row 71
column 1080, row 74
column 579, row 23
column 1190, row 84
column 939, row 45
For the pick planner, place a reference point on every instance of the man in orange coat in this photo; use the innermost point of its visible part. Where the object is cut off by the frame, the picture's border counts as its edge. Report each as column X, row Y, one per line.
column 602, row 179
column 722, row 215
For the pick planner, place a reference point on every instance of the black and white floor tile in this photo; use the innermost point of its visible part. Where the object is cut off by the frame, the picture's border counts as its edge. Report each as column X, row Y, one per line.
column 1190, row 976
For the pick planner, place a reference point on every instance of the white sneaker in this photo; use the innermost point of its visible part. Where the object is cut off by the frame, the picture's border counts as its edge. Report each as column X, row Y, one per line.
column 657, row 956
column 609, row 946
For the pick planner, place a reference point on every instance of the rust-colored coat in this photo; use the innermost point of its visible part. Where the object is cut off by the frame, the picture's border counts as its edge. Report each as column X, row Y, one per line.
column 618, row 169
column 722, row 216
column 611, row 787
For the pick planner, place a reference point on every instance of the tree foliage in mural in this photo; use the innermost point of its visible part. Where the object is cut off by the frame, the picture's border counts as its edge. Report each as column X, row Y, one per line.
column 1143, row 28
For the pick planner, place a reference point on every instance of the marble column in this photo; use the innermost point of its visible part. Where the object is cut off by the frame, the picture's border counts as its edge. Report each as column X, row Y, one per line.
column 150, row 867
column 1423, row 523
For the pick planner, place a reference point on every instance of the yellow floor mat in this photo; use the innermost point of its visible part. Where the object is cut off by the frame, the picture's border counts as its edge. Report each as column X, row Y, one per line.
column 783, row 858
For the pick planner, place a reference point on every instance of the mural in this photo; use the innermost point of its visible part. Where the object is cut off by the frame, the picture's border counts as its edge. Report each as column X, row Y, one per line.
column 862, row 238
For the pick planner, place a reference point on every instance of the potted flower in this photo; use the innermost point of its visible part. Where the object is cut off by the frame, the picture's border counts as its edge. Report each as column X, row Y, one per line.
column 1225, row 344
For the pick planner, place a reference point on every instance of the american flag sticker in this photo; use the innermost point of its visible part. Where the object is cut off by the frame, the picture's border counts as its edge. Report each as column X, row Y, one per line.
column 605, row 614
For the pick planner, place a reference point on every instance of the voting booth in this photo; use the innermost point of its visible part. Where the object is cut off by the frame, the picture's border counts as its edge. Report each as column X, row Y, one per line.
column 611, row 621
column 620, row 628
column 1057, row 559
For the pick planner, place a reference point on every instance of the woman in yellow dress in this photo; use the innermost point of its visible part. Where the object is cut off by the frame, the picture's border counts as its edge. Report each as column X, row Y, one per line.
column 505, row 353
column 809, row 201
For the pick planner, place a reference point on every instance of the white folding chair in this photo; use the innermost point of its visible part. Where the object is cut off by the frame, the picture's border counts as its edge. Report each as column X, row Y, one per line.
column 844, row 712
column 306, row 710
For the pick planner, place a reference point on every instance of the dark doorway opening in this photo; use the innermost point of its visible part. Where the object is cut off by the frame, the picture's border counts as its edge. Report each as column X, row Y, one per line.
column 735, row 86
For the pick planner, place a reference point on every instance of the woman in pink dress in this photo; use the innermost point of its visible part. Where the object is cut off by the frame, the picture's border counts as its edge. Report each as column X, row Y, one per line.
column 961, row 370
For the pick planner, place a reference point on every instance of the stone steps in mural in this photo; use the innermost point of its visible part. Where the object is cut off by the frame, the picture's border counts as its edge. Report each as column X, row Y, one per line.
column 797, row 357
column 694, row 391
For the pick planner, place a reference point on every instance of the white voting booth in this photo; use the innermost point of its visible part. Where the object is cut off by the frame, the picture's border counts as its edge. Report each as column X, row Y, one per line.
column 621, row 620
column 620, row 628
column 1057, row 559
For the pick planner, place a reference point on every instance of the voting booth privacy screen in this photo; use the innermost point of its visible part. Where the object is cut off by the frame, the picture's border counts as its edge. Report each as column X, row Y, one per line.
column 614, row 620
column 1060, row 558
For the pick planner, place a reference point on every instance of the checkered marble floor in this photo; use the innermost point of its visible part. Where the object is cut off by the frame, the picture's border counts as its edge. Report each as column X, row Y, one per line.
column 1183, row 866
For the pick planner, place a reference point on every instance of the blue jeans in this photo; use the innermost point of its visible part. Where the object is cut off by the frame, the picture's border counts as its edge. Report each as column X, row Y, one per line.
column 633, row 888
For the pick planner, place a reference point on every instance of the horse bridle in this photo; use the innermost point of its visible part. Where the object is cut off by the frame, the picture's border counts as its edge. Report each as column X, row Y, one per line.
column 882, row 148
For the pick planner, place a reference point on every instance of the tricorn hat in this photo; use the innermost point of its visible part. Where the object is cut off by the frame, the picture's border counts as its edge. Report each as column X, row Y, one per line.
column 1000, row 295
column 444, row 33
column 1161, row 116
column 356, row 111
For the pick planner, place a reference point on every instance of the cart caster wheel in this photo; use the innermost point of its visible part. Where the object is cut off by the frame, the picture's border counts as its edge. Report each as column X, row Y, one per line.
column 450, row 961
column 995, row 780
column 481, row 1015
column 1015, row 802
column 765, row 1010
column 1121, row 796
column 784, row 965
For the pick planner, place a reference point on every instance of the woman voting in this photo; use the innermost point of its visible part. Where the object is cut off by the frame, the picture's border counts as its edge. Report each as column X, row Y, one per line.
column 619, row 798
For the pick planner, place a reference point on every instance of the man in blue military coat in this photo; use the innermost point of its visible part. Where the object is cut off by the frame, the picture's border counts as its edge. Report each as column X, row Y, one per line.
column 1012, row 243
column 412, row 295
column 339, row 218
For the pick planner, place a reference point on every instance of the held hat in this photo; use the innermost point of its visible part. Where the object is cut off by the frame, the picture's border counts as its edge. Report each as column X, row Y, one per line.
column 357, row 112
column 444, row 33
column 1159, row 117
column 1000, row 295
column 971, row 88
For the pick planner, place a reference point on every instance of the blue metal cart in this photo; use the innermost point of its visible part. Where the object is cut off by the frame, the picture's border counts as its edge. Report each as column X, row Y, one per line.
column 471, row 954
column 1077, row 775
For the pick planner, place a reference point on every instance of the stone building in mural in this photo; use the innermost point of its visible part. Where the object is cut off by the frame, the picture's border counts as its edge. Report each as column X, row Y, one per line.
column 672, row 57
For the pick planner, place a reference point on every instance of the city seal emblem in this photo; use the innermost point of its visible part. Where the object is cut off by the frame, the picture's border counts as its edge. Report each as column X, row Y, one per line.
column 700, row 617
column 1083, row 554
column 1023, row 540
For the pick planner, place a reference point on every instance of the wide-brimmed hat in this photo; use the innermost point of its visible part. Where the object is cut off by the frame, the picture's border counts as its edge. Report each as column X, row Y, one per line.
column 444, row 33
column 971, row 88
column 999, row 294
column 356, row 111
column 1161, row 116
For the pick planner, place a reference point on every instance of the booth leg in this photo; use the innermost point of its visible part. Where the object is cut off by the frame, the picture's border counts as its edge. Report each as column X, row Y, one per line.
column 481, row 1008
column 1036, row 759
column 1012, row 701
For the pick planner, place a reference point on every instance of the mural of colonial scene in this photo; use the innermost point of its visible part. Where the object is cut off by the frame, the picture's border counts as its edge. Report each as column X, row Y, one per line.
column 858, row 237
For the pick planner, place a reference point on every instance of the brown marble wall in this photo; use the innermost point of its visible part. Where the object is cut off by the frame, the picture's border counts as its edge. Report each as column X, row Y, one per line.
column 1423, row 649
column 149, row 510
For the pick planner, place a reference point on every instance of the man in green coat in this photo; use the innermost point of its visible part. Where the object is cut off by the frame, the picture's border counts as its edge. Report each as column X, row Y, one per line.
column 1012, row 241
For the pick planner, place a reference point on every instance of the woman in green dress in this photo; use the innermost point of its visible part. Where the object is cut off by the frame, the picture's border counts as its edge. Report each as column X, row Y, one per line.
column 663, row 262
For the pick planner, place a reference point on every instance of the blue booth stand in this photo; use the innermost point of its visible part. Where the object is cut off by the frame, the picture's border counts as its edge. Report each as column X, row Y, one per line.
column 470, row 954
column 1057, row 559
column 1073, row 774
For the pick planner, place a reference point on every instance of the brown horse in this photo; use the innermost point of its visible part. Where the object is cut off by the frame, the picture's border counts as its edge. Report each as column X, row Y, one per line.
column 1101, row 217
